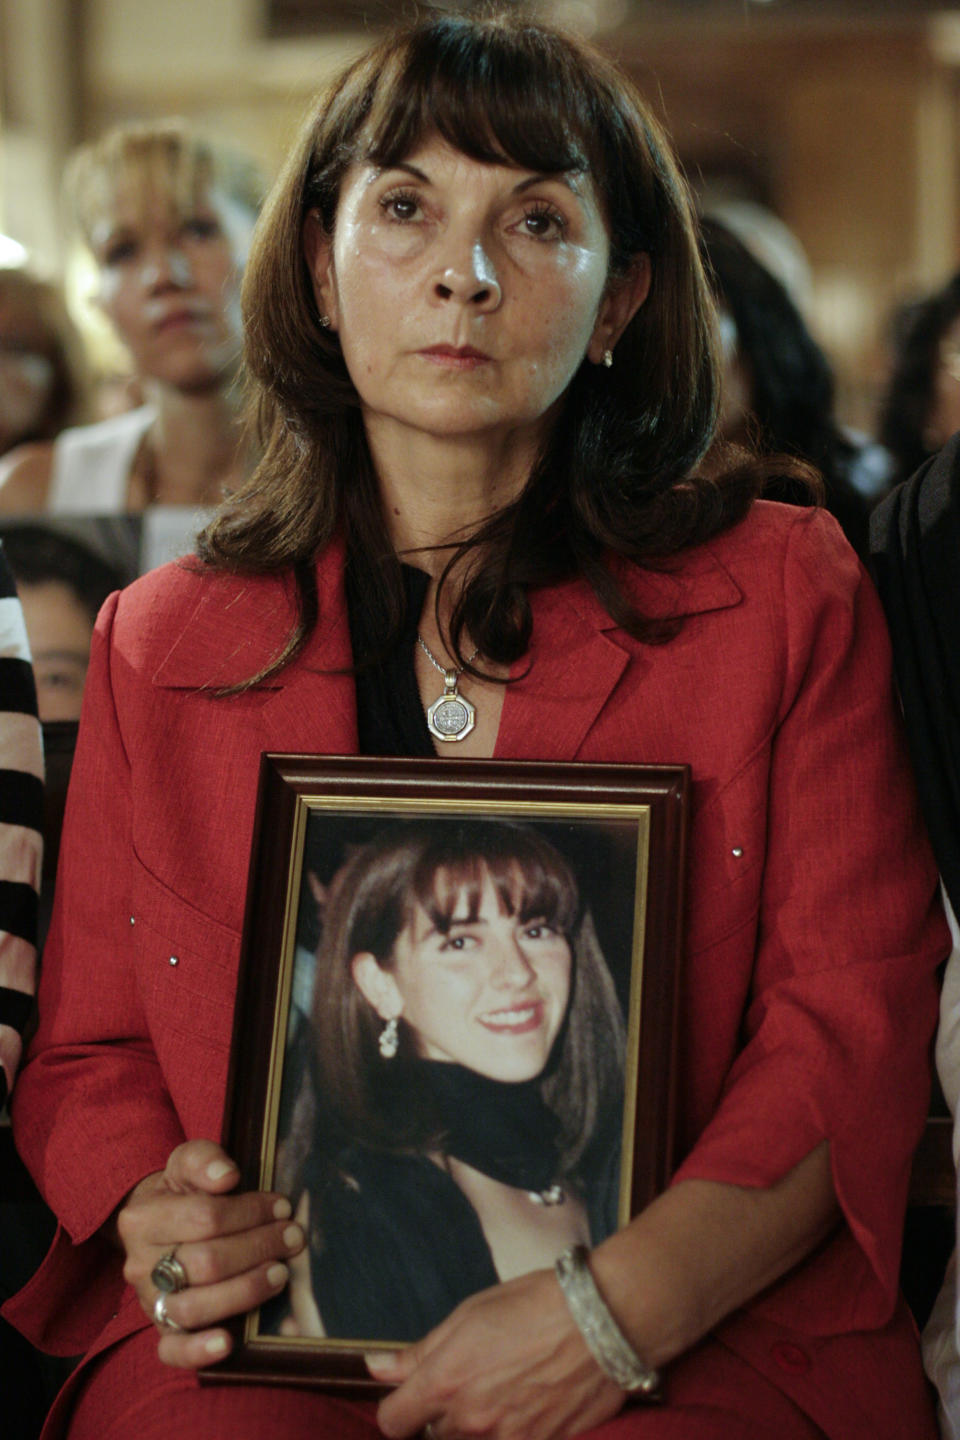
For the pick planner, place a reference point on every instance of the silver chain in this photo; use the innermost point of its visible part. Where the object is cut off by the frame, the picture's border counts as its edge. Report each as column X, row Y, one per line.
column 444, row 671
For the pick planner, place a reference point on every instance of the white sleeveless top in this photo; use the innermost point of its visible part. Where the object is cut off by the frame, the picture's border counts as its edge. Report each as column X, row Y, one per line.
column 92, row 464
column 91, row 475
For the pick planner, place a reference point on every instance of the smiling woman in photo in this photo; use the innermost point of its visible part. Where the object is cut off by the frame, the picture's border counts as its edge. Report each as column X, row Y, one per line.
column 459, row 1120
column 484, row 367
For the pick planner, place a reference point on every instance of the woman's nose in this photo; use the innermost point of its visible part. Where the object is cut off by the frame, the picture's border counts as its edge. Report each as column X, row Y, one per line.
column 470, row 280
column 512, row 968
column 166, row 266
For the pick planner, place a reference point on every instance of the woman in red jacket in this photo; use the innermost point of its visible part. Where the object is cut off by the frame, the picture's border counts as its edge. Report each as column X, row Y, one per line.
column 485, row 375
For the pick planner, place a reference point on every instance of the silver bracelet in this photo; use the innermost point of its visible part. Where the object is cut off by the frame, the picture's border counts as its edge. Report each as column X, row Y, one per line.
column 605, row 1340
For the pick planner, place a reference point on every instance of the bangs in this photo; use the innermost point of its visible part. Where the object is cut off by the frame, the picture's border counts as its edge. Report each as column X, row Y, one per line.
column 137, row 172
column 528, row 885
column 138, row 163
column 482, row 89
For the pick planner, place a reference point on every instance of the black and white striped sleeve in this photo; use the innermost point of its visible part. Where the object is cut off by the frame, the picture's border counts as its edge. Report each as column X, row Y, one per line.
column 21, row 818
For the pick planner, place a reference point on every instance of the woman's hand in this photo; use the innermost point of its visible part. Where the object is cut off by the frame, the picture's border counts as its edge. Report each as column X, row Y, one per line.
column 508, row 1363
column 232, row 1247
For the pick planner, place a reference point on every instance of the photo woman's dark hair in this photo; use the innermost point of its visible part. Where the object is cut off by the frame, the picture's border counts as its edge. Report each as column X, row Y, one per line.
column 357, row 1096
column 615, row 475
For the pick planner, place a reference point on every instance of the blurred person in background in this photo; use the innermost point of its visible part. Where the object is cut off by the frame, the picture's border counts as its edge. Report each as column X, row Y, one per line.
column 62, row 582
column 167, row 217
column 915, row 541
column 21, row 811
column 921, row 407
column 21, row 795
column 777, row 395
column 43, row 380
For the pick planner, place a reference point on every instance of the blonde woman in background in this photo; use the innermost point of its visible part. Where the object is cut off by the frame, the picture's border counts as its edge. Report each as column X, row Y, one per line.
column 166, row 217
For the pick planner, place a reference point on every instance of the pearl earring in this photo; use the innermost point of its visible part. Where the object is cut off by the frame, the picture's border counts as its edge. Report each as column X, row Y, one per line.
column 608, row 358
column 389, row 1040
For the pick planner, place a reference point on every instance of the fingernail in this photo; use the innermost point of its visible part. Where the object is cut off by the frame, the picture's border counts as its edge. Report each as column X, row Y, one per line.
column 380, row 1359
column 277, row 1275
column 282, row 1209
column 293, row 1237
column 218, row 1168
column 216, row 1345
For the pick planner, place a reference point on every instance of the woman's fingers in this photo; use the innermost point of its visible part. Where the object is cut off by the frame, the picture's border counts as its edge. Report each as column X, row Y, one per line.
column 393, row 1366
column 232, row 1248
column 210, row 1261
column 200, row 1165
column 164, row 1219
column 200, row 1307
column 192, row 1351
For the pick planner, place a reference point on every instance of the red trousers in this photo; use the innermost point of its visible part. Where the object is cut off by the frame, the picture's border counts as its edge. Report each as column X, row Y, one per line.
column 130, row 1395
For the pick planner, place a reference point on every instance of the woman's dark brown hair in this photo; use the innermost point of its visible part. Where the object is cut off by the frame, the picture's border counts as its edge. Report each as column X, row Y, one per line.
column 615, row 474
column 918, row 333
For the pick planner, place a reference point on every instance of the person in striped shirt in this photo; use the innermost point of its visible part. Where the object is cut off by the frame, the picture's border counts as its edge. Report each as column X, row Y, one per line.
column 21, row 812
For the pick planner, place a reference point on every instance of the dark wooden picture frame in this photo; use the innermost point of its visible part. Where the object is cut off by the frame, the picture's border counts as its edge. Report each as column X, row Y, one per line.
column 621, row 831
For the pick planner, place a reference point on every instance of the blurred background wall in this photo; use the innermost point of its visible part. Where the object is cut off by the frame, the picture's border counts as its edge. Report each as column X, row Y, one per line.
column 837, row 117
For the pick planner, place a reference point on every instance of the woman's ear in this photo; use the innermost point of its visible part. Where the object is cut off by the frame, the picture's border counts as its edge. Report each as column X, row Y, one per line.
column 376, row 985
column 318, row 253
column 618, row 307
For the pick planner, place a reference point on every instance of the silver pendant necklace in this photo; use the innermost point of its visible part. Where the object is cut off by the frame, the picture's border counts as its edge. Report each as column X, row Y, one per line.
column 451, row 716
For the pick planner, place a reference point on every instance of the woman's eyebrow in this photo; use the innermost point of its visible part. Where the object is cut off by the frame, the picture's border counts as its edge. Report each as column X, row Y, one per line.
column 444, row 924
column 569, row 178
column 466, row 920
column 403, row 165
column 559, row 177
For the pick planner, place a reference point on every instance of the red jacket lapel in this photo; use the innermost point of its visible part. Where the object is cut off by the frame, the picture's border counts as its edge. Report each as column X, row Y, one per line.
column 578, row 654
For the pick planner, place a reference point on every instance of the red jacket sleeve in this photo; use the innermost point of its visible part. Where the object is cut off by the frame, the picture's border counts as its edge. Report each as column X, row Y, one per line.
column 843, row 995
column 91, row 1115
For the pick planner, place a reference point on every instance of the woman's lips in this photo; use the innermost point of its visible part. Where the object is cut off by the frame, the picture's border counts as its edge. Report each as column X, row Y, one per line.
column 455, row 357
column 179, row 320
column 518, row 1020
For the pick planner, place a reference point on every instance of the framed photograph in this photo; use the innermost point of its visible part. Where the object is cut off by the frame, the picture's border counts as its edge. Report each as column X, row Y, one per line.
column 454, row 1035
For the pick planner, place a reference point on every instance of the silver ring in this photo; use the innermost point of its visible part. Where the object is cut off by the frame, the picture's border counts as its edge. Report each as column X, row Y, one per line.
column 160, row 1316
column 169, row 1275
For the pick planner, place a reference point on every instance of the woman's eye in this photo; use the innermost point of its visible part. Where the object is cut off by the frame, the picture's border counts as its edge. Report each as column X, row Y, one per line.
column 538, row 930
column 458, row 943
column 120, row 252
column 399, row 205
column 543, row 223
column 201, row 227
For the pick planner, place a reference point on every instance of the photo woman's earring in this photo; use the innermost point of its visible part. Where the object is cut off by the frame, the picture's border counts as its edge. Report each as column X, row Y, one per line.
column 325, row 323
column 389, row 1040
column 608, row 358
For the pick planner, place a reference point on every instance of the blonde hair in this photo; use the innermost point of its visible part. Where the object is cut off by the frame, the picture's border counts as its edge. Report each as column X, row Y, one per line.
column 150, row 157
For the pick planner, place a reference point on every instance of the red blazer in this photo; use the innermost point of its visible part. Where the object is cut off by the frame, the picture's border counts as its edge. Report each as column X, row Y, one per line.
column 813, row 928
